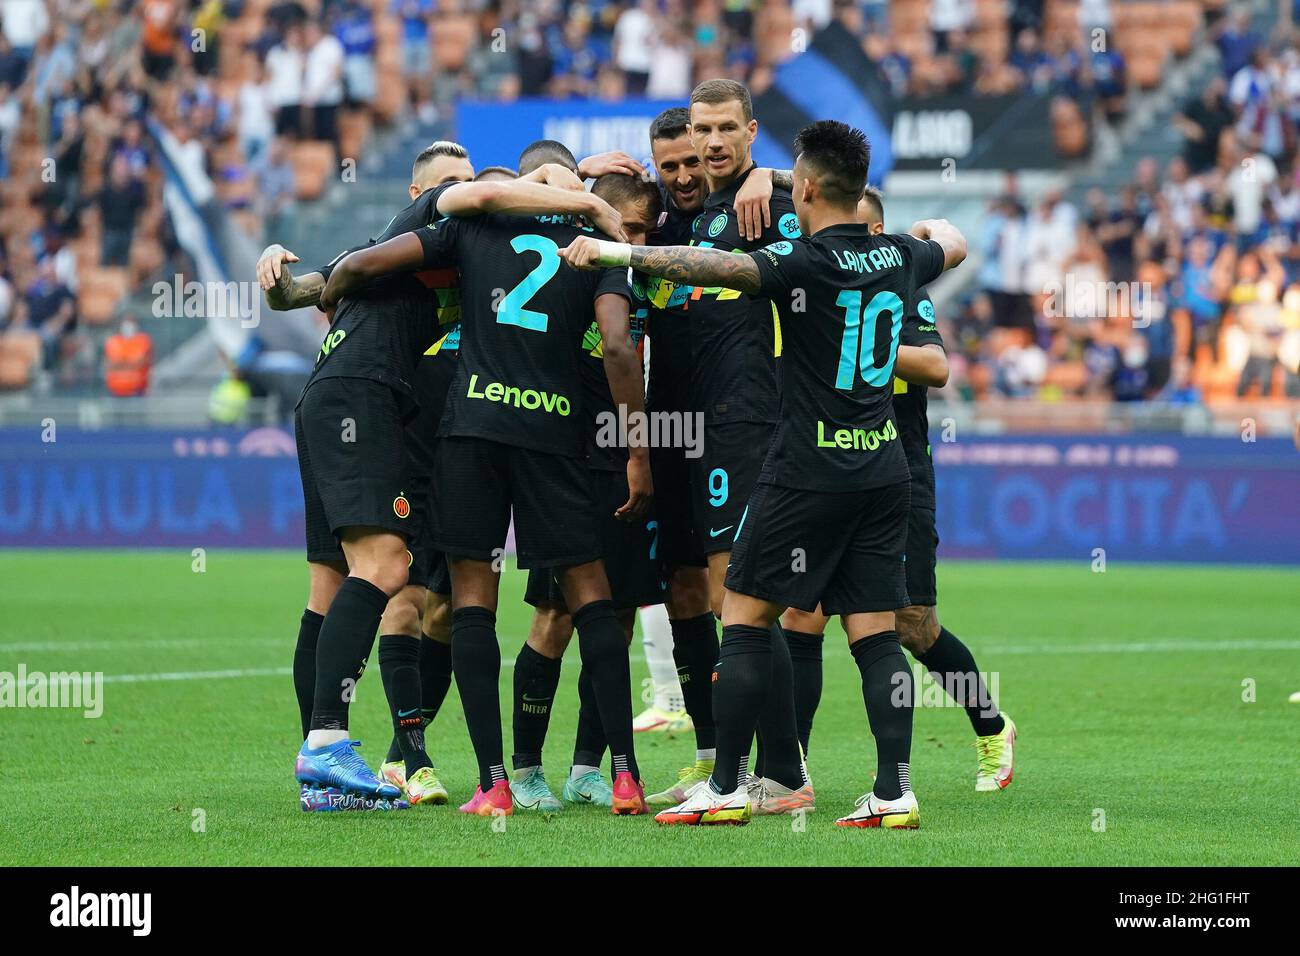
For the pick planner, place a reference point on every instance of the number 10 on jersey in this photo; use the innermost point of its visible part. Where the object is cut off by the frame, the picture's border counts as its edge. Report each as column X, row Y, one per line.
column 858, row 346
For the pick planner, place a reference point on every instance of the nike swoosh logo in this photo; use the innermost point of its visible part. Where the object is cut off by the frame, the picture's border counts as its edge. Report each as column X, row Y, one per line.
column 408, row 713
column 535, row 700
column 714, row 534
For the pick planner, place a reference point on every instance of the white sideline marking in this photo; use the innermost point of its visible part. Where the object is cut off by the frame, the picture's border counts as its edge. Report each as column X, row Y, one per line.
column 198, row 675
column 165, row 643
column 1144, row 647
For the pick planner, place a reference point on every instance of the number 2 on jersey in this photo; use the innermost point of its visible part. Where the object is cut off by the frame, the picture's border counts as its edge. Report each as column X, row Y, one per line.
column 858, row 347
column 512, row 309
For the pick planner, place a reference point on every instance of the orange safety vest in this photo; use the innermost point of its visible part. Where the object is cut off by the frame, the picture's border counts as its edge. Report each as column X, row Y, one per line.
column 129, row 361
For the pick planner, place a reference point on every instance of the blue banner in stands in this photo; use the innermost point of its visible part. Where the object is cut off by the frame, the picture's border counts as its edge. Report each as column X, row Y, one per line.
column 496, row 133
column 1148, row 498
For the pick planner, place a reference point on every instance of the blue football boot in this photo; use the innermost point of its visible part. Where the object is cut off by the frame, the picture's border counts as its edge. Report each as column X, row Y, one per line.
column 338, row 766
column 331, row 800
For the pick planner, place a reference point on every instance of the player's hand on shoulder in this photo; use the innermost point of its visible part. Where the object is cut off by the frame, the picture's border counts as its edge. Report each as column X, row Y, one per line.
column 640, row 488
column 615, row 161
column 268, row 266
column 754, row 204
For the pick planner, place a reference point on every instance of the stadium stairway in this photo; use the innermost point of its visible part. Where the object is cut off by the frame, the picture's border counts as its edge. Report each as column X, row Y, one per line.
column 349, row 213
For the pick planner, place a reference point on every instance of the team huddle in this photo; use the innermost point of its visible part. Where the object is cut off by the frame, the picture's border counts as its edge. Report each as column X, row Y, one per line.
column 485, row 364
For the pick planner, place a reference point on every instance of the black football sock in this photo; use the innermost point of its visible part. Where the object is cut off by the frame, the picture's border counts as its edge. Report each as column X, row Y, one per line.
column 589, row 745
column 346, row 636
column 435, row 676
column 776, row 721
column 954, row 669
column 399, row 669
column 604, row 652
column 304, row 666
column 536, row 680
column 476, row 663
column 695, row 651
column 887, row 690
column 744, row 675
column 806, row 659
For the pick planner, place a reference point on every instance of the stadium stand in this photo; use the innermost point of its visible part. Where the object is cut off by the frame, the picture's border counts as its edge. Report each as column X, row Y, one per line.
column 274, row 100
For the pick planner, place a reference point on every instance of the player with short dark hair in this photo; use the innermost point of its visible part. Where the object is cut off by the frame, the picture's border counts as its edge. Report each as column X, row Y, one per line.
column 546, row 151
column 834, row 485
column 922, row 363
column 512, row 440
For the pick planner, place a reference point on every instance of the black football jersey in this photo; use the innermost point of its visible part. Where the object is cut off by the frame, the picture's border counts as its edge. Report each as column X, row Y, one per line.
column 380, row 331
column 910, row 404
column 841, row 295
column 668, row 387
column 735, row 337
column 524, row 313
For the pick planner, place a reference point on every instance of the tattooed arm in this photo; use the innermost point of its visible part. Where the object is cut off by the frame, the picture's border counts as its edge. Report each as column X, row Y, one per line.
column 683, row 264
column 283, row 290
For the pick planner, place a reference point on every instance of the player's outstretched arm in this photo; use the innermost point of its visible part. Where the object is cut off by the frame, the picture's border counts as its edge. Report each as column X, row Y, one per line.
column 627, row 387
column 402, row 253
column 284, row 290
column 947, row 235
column 684, row 264
column 922, row 365
column 530, row 199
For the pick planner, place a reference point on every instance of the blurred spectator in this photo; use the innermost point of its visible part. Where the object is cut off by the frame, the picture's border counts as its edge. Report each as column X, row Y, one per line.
column 13, row 65
column 355, row 29
column 208, row 21
column 50, row 309
column 159, row 32
column 10, row 116
column 256, row 123
column 24, row 23
column 1236, row 40
column 322, row 85
column 1252, row 176
column 275, row 188
column 949, row 15
column 119, row 202
column 634, row 38
column 128, row 360
column 670, row 66
column 284, row 67
column 1202, row 122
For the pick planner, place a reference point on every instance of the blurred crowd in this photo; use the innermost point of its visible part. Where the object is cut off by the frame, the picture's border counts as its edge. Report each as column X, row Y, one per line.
column 1192, row 266
column 1182, row 285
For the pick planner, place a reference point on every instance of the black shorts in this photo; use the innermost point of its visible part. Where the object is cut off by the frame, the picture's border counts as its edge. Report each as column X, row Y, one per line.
column 351, row 461
column 440, row 577
column 679, row 546
column 844, row 550
column 723, row 478
column 480, row 482
column 629, row 549
column 922, row 555
column 423, row 552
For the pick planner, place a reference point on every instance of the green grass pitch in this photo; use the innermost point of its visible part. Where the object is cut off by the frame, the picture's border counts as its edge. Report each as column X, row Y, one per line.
column 1151, row 700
